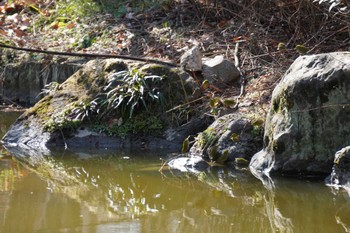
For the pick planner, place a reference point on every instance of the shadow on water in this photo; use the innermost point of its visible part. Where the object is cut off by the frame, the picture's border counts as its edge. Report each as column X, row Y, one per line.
column 109, row 191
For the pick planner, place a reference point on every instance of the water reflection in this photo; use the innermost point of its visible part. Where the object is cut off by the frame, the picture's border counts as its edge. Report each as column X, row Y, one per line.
column 126, row 193
column 6, row 119
column 108, row 191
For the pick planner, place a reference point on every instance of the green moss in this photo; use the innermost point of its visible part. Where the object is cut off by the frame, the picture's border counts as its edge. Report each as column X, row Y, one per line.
column 42, row 109
column 141, row 124
column 207, row 138
column 61, row 124
column 282, row 102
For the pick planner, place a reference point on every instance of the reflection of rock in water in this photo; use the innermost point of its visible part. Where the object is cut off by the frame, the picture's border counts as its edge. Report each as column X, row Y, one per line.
column 342, row 216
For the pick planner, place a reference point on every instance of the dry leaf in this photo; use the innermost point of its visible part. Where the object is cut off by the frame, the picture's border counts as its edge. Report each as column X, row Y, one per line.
column 19, row 32
column 223, row 23
column 3, row 32
column 54, row 25
column 70, row 25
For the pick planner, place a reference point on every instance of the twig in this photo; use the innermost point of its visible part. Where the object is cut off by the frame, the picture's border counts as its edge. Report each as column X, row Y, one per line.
column 187, row 103
column 167, row 161
column 9, row 101
column 94, row 55
column 326, row 38
column 239, row 69
column 64, row 140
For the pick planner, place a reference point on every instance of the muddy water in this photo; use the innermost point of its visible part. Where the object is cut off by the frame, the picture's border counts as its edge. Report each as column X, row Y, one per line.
column 94, row 191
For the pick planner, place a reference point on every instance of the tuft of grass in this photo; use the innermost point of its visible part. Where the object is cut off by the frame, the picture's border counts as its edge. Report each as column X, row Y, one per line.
column 127, row 90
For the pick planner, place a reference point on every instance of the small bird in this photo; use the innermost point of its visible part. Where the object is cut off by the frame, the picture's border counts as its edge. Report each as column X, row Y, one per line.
column 186, row 145
column 281, row 46
column 301, row 49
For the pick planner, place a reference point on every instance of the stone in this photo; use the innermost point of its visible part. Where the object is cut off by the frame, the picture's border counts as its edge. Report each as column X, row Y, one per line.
column 340, row 176
column 192, row 164
column 23, row 82
column 70, row 115
column 309, row 117
column 229, row 137
column 191, row 60
column 220, row 71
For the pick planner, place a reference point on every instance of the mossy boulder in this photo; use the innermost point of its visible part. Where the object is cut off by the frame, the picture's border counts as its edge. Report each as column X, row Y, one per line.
column 109, row 104
column 309, row 117
column 230, row 140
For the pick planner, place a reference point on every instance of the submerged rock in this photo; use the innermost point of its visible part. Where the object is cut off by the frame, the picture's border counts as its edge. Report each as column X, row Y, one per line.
column 309, row 117
column 193, row 164
column 109, row 104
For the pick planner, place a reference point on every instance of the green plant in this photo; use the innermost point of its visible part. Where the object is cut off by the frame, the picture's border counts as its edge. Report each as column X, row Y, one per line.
column 82, row 111
column 141, row 124
column 217, row 103
column 77, row 8
column 49, row 88
column 126, row 90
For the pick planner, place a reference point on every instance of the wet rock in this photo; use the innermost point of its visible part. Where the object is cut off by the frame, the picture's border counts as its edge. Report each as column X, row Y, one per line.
column 193, row 164
column 340, row 176
column 220, row 71
column 74, row 115
column 227, row 138
column 191, row 60
column 309, row 117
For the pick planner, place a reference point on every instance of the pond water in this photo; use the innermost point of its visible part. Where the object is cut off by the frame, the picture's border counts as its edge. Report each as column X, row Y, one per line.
column 109, row 191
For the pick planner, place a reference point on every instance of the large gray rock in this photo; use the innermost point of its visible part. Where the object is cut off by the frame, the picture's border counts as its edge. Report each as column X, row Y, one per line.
column 77, row 114
column 309, row 117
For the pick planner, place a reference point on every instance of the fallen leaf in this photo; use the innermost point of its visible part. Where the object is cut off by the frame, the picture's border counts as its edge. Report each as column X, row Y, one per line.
column 223, row 23
column 3, row 32
column 19, row 32
column 54, row 25
column 70, row 25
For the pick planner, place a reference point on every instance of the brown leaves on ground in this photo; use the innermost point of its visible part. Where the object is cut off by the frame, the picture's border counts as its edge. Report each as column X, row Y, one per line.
column 167, row 31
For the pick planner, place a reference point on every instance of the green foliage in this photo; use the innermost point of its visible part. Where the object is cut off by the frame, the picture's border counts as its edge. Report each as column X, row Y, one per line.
column 49, row 88
column 126, row 90
column 207, row 138
column 82, row 111
column 61, row 122
column 223, row 158
column 217, row 103
column 131, row 6
column 142, row 124
column 185, row 145
column 123, row 93
column 76, row 8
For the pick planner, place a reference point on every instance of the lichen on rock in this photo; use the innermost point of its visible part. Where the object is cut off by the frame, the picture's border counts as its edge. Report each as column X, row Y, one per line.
column 308, row 120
